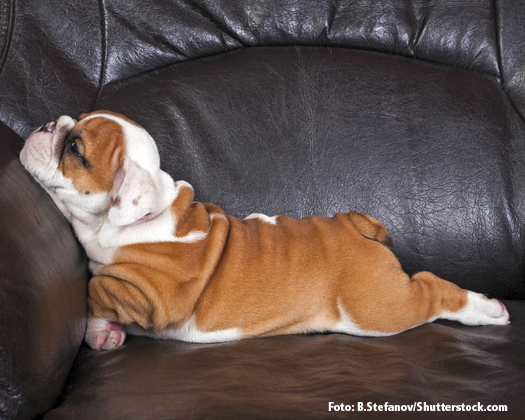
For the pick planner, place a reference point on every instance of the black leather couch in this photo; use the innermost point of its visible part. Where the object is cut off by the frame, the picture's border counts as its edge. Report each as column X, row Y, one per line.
column 411, row 111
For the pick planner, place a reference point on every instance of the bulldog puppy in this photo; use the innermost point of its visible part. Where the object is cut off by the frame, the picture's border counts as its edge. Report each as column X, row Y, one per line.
column 169, row 267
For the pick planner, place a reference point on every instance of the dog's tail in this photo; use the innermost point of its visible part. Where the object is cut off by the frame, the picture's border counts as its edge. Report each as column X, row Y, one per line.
column 371, row 228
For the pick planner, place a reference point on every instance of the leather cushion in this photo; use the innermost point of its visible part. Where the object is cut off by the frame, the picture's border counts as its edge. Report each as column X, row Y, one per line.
column 295, row 377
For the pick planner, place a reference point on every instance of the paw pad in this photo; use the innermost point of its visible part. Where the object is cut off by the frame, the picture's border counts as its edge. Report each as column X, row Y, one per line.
column 102, row 334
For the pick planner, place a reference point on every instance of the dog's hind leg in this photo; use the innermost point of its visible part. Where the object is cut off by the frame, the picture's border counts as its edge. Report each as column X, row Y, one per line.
column 401, row 303
column 477, row 309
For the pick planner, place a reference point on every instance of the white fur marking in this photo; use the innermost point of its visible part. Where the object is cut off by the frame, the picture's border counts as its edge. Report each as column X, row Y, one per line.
column 188, row 332
column 347, row 325
column 479, row 310
column 191, row 237
column 272, row 220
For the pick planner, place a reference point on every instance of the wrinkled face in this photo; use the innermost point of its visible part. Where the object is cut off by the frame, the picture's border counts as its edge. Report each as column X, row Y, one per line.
column 84, row 165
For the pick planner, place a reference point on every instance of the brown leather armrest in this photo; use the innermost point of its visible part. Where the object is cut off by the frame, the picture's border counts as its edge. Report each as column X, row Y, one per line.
column 43, row 275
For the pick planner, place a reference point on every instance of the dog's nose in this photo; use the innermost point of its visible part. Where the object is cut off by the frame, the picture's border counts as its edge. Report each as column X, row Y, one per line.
column 49, row 127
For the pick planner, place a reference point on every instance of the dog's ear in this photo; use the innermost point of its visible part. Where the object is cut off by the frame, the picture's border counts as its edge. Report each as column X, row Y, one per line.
column 82, row 116
column 134, row 194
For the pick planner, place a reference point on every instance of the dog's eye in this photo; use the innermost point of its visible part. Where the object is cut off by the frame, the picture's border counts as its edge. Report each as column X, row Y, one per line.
column 74, row 148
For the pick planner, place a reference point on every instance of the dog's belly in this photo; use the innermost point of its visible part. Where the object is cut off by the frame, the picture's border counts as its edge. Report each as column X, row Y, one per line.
column 188, row 332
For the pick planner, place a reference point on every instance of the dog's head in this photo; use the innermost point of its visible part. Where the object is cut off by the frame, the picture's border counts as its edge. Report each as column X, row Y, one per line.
column 104, row 165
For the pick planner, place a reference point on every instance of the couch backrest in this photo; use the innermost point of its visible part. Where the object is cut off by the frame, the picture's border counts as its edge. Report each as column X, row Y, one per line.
column 55, row 57
column 409, row 110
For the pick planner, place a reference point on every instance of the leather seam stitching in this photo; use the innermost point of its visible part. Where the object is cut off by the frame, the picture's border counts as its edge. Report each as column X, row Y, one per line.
column 104, row 53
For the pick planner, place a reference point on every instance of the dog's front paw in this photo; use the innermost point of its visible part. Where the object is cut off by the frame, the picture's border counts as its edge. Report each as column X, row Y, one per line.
column 102, row 334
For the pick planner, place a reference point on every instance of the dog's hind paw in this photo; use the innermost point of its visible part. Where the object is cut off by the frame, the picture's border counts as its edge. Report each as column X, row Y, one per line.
column 480, row 310
column 102, row 334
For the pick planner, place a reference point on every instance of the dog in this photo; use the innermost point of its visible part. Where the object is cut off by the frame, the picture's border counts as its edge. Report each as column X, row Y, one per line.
column 168, row 267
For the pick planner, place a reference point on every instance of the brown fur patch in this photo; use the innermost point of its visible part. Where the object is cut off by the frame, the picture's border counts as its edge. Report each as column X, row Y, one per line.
column 101, row 143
